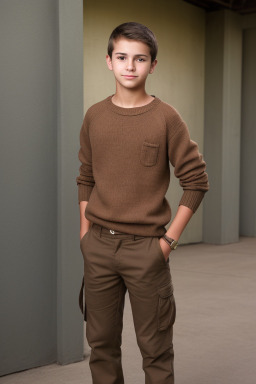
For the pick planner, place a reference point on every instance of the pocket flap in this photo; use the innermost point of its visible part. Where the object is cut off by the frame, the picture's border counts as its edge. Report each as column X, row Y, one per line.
column 166, row 290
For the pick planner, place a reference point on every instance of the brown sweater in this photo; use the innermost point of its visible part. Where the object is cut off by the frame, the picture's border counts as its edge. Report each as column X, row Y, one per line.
column 124, row 175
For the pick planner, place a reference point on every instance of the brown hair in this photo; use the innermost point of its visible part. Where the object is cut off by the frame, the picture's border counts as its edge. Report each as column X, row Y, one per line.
column 134, row 31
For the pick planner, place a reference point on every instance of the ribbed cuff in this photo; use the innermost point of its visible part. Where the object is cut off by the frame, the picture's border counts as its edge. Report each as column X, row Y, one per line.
column 192, row 199
column 84, row 192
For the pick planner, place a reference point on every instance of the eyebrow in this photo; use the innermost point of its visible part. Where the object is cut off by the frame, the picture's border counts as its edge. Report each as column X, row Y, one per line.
column 125, row 54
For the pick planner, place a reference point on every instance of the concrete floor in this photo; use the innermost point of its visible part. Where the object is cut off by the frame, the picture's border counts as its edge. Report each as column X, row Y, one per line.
column 215, row 329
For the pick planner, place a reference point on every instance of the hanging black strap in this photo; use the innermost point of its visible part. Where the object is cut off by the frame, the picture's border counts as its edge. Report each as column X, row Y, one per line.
column 81, row 300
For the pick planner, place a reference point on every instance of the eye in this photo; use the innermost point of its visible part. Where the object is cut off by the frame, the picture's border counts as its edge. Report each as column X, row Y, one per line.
column 121, row 58
column 140, row 60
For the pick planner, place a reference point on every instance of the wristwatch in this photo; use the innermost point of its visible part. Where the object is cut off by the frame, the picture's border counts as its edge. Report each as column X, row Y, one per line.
column 171, row 242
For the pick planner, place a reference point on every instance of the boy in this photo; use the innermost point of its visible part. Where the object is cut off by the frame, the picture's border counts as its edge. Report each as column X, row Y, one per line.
column 127, row 141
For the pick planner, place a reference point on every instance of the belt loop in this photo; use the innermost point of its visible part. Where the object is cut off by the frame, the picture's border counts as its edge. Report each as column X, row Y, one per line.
column 134, row 237
column 100, row 230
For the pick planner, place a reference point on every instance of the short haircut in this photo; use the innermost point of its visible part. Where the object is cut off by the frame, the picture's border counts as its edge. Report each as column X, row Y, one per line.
column 134, row 31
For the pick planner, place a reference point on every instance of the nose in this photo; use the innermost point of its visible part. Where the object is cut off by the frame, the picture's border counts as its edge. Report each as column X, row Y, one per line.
column 130, row 65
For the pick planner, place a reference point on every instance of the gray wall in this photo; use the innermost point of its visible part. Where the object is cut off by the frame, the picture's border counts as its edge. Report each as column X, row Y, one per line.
column 230, row 121
column 223, row 67
column 70, row 117
column 41, row 112
column 248, row 136
column 28, row 183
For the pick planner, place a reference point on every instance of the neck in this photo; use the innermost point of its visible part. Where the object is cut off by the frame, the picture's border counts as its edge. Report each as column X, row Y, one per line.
column 130, row 98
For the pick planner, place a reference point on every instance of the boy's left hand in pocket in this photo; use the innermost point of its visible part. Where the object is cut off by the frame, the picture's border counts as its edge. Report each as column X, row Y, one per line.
column 166, row 249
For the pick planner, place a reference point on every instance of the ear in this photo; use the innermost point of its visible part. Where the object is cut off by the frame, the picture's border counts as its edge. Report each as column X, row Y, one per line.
column 109, row 62
column 153, row 65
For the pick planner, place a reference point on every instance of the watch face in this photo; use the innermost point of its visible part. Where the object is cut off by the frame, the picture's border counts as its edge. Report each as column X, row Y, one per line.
column 174, row 244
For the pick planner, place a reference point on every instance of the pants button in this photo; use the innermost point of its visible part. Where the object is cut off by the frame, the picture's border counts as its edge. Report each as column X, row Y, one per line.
column 111, row 231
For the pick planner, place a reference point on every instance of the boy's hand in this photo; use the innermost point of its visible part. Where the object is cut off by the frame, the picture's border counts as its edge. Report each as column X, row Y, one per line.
column 166, row 249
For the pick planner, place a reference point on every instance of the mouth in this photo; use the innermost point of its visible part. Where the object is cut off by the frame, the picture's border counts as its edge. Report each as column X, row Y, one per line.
column 129, row 76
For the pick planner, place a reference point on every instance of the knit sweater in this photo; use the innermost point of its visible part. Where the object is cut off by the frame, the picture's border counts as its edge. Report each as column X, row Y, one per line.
column 125, row 173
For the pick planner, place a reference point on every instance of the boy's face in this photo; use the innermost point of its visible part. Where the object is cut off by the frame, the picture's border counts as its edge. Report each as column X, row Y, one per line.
column 131, row 63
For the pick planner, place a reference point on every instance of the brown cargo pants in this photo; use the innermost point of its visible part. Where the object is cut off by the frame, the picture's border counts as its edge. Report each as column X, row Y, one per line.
column 113, row 263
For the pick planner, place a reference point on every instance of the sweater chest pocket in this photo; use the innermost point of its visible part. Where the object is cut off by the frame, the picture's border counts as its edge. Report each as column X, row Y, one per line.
column 149, row 154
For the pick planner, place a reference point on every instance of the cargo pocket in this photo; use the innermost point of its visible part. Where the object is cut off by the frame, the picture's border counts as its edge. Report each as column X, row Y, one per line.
column 149, row 154
column 166, row 312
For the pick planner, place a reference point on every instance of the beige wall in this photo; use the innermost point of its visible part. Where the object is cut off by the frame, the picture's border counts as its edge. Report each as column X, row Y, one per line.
column 178, row 78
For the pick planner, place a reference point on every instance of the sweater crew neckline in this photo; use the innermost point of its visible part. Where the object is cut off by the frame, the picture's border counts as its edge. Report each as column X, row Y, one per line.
column 132, row 111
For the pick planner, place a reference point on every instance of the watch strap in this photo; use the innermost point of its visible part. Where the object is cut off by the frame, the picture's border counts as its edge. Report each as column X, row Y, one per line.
column 172, row 243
